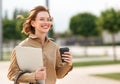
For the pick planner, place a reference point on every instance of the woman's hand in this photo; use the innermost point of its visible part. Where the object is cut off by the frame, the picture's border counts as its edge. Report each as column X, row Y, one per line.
column 67, row 57
column 40, row 73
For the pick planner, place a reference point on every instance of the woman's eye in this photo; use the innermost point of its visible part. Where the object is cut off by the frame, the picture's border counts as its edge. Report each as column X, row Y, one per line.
column 49, row 19
column 41, row 19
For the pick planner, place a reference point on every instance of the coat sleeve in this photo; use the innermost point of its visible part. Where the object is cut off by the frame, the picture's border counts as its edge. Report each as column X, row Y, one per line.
column 62, row 69
column 14, row 70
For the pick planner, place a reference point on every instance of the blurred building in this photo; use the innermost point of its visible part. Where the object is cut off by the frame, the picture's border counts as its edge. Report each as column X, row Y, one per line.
column 107, row 37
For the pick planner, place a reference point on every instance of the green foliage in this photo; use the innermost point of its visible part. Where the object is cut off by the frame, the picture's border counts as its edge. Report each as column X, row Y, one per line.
column 51, row 33
column 9, row 29
column 84, row 24
column 12, row 27
column 19, row 23
column 110, row 20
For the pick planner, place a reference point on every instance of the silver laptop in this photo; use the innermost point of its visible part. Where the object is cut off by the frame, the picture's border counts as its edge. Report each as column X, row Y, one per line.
column 29, row 58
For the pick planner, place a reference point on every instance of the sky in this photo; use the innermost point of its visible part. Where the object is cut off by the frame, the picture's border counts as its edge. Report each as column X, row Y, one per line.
column 62, row 10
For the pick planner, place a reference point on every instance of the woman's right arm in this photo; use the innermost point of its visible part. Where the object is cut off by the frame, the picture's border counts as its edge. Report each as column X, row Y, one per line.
column 14, row 69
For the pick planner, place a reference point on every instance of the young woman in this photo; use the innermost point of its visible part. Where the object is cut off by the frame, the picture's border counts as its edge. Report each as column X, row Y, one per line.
column 37, row 25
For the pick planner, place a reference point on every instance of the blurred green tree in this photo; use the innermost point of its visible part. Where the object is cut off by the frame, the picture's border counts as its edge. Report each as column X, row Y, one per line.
column 110, row 21
column 9, row 29
column 84, row 24
column 19, row 21
column 51, row 33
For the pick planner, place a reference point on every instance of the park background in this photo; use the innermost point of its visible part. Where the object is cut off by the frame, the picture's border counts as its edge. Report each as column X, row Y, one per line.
column 91, row 29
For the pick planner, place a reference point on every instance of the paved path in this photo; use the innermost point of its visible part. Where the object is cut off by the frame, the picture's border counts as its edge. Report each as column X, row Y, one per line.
column 3, row 73
column 80, row 75
column 83, row 75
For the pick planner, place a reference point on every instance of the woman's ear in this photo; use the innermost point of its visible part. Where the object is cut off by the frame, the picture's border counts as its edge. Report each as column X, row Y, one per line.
column 33, row 23
column 51, row 22
column 51, row 19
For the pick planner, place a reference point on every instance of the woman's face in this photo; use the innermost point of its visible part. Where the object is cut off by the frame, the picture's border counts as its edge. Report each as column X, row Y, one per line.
column 42, row 22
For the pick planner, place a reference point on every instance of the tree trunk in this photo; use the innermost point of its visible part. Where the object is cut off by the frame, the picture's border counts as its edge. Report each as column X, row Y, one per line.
column 114, row 47
column 85, row 47
column 1, row 51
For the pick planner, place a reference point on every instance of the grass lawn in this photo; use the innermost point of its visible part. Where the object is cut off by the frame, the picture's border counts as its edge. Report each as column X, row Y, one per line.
column 115, row 76
column 91, row 63
column 6, row 56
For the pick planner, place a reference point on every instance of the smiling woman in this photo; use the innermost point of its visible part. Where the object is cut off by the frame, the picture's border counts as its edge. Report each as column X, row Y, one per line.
column 37, row 21
column 36, row 26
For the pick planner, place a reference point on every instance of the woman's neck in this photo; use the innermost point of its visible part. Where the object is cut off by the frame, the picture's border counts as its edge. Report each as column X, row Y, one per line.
column 41, row 37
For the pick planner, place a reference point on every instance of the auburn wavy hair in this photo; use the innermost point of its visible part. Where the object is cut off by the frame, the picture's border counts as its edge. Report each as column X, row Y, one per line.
column 27, row 27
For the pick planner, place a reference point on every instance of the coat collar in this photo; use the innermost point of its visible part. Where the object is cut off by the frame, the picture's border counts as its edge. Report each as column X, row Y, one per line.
column 33, row 36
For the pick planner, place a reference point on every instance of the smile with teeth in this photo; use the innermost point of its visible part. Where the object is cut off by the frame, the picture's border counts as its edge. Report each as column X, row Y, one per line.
column 45, row 26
